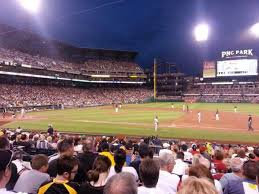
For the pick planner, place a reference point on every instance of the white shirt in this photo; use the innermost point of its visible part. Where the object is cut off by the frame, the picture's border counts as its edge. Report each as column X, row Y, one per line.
column 145, row 190
column 4, row 191
column 180, row 167
column 167, row 182
column 188, row 156
column 156, row 121
column 124, row 169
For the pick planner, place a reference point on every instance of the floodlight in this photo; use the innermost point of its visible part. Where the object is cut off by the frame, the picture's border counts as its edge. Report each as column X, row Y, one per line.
column 201, row 32
column 31, row 6
column 255, row 30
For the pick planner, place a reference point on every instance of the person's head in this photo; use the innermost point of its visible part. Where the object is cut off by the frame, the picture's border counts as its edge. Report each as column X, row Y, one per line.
column 67, row 167
column 119, row 158
column 105, row 147
column 40, row 163
column 166, row 161
column 121, row 183
column 200, row 171
column 184, row 147
column 218, row 155
column 23, row 137
column 236, row 165
column 88, row 146
column 249, row 169
column 241, row 153
column 66, row 147
column 4, row 143
column 149, row 172
column 143, row 150
column 101, row 164
column 5, row 166
column 180, row 155
column 196, row 185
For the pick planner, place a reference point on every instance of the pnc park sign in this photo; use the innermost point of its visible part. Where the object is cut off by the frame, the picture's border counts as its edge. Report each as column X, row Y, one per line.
column 237, row 53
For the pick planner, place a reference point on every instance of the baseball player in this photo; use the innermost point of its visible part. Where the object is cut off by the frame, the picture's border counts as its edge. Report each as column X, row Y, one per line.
column 250, row 122
column 156, row 123
column 199, row 116
column 217, row 115
column 235, row 109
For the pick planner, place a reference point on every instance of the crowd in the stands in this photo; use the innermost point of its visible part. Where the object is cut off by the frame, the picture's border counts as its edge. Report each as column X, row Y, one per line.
column 98, row 65
column 223, row 93
column 120, row 165
column 31, row 95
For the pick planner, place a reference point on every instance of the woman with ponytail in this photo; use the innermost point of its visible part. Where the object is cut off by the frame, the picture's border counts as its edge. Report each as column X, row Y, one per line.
column 120, row 162
column 97, row 176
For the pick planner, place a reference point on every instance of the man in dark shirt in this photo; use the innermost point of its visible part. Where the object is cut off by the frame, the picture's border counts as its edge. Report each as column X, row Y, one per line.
column 65, row 148
column 50, row 130
column 86, row 161
column 67, row 167
column 144, row 152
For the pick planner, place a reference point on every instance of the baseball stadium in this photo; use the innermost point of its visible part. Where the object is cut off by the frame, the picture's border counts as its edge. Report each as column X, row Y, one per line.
column 89, row 98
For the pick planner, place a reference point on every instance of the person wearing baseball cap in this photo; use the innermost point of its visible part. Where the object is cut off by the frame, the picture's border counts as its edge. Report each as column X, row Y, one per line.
column 5, row 170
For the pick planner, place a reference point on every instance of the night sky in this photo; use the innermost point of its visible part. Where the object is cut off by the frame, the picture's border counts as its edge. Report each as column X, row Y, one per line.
column 154, row 28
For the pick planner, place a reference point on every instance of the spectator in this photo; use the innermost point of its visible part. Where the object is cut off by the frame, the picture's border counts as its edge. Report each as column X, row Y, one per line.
column 97, row 176
column 187, row 155
column 167, row 182
column 149, row 174
column 120, row 159
column 236, row 174
column 67, row 167
column 30, row 180
column 220, row 167
column 201, row 171
column 65, row 148
column 193, row 185
column 180, row 166
column 42, row 143
column 5, row 145
column 86, row 161
column 121, row 183
column 256, row 153
column 5, row 170
column 239, row 186
column 105, row 151
column 144, row 152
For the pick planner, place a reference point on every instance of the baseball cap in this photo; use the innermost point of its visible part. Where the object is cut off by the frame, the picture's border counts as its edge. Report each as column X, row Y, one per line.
column 6, row 158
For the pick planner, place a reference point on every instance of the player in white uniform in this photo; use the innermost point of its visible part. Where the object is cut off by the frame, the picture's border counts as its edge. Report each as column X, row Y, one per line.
column 235, row 109
column 156, row 123
column 217, row 115
column 172, row 105
column 22, row 113
column 199, row 116
column 116, row 108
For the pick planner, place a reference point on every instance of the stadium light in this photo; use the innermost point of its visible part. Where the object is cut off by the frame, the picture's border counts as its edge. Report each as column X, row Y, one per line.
column 255, row 30
column 201, row 32
column 31, row 6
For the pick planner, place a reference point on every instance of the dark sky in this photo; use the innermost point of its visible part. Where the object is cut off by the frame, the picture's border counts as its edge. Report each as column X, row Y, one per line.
column 154, row 28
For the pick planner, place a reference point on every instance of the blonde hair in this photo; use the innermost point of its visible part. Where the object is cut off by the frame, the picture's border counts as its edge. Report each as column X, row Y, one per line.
column 195, row 185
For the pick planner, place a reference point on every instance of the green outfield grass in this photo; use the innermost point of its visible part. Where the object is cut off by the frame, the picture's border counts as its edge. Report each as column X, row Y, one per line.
column 135, row 119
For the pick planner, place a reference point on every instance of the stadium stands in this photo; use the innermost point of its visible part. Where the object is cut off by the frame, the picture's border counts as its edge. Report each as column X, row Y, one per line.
column 31, row 95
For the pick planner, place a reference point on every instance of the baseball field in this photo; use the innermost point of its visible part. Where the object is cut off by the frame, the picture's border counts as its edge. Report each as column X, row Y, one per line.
column 138, row 120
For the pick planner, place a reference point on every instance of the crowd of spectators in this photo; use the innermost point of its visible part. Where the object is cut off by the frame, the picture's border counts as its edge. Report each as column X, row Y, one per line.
column 123, row 165
column 95, row 65
column 223, row 93
column 32, row 95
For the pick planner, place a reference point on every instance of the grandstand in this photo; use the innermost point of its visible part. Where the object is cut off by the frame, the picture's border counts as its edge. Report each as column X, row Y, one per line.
column 39, row 73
